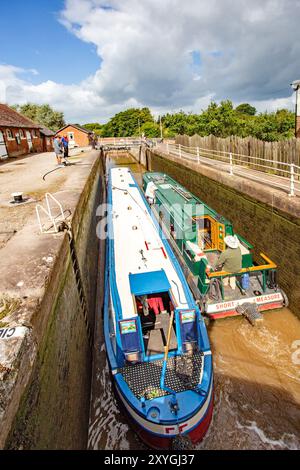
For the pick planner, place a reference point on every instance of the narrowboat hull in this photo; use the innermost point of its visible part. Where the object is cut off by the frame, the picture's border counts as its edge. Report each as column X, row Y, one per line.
column 179, row 373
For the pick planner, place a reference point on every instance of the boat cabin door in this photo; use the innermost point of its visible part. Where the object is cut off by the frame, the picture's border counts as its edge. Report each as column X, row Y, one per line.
column 210, row 233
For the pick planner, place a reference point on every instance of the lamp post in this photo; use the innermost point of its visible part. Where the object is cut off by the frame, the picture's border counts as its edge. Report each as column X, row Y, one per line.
column 296, row 87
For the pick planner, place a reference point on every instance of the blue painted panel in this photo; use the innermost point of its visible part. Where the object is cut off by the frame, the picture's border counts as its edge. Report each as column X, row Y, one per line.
column 130, row 336
column 149, row 283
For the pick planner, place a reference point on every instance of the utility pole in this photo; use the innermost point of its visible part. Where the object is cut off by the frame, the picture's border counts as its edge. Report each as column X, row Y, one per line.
column 296, row 87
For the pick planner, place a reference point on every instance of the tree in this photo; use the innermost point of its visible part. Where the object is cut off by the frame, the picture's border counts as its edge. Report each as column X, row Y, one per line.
column 93, row 126
column 150, row 129
column 127, row 123
column 246, row 108
column 42, row 114
column 274, row 126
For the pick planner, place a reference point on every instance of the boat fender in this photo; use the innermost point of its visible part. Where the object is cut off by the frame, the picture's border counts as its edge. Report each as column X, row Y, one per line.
column 215, row 290
column 245, row 281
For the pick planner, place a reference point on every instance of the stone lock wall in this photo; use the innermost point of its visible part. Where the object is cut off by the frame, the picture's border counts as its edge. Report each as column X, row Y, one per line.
column 272, row 232
column 54, row 410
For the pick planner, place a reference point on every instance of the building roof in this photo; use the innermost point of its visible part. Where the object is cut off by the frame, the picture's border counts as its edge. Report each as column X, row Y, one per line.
column 11, row 118
column 47, row 132
column 82, row 129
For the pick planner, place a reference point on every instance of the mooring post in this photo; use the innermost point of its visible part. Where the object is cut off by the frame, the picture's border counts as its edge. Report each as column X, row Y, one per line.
column 198, row 155
column 231, row 164
column 292, row 180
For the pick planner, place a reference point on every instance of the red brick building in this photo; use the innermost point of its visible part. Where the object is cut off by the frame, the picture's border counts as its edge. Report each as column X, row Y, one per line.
column 48, row 138
column 78, row 136
column 18, row 134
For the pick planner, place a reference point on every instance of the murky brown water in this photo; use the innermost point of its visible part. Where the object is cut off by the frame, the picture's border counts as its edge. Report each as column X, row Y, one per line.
column 257, row 384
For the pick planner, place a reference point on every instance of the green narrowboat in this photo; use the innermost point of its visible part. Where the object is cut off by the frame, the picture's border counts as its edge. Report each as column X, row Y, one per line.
column 197, row 235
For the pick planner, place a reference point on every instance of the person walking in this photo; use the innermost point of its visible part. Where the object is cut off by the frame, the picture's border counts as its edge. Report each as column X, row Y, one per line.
column 58, row 149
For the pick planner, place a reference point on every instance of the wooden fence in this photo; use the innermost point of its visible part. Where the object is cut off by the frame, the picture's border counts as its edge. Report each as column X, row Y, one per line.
column 285, row 151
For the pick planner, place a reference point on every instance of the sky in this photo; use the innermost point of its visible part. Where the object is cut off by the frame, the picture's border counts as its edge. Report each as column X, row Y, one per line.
column 94, row 58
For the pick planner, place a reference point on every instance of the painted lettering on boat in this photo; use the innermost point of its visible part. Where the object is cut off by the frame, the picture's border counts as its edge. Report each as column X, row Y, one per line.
column 7, row 332
column 171, row 430
column 234, row 303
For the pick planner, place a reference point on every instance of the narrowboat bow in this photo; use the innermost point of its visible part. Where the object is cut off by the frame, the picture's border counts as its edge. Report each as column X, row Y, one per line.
column 156, row 340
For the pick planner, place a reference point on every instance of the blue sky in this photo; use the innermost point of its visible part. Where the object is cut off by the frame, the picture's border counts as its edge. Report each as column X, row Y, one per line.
column 109, row 55
column 35, row 39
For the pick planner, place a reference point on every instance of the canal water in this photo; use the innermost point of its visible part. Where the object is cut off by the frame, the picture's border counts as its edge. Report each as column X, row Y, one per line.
column 257, row 383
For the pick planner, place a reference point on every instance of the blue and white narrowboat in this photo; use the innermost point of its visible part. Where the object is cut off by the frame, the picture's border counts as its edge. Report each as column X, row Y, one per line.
column 156, row 339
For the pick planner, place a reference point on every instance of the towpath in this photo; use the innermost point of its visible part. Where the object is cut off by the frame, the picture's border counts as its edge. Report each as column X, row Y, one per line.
column 281, row 183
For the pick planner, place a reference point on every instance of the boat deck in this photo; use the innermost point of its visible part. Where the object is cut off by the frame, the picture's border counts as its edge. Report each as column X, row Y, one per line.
column 183, row 373
column 255, row 285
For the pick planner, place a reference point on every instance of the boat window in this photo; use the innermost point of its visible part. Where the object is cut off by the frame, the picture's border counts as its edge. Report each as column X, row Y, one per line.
column 154, row 311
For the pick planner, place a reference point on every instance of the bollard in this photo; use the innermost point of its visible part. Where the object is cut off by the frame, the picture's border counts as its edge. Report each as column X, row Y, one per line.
column 292, row 180
column 198, row 155
column 179, row 150
column 168, row 151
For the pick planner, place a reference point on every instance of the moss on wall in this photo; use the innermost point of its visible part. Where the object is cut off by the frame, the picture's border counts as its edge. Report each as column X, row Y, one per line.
column 276, row 234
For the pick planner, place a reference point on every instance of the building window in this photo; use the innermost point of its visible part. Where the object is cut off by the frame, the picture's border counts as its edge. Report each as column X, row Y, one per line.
column 34, row 134
column 71, row 135
column 9, row 134
column 21, row 133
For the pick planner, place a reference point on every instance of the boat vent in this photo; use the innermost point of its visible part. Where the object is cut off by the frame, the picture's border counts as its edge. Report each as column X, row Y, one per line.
column 183, row 193
column 183, row 373
column 159, row 179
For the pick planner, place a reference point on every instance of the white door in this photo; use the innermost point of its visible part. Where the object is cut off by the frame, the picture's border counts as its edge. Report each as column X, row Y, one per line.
column 71, row 138
column 29, row 140
column 3, row 151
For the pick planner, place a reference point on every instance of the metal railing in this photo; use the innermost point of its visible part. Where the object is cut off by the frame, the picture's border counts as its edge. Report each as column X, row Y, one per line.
column 117, row 141
column 54, row 219
column 282, row 175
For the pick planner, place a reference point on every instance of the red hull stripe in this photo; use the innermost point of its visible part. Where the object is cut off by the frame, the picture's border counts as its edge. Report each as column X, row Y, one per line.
column 234, row 313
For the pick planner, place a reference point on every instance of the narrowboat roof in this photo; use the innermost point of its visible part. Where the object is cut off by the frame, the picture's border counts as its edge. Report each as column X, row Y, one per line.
column 173, row 194
column 139, row 252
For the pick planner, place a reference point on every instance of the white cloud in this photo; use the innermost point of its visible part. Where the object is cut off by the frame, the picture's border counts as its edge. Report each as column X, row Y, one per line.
column 146, row 56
